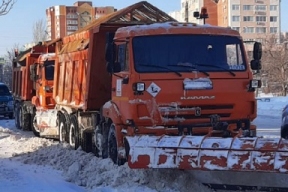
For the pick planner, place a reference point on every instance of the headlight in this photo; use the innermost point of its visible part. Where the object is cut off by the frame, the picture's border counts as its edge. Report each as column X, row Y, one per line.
column 139, row 87
column 10, row 103
column 255, row 83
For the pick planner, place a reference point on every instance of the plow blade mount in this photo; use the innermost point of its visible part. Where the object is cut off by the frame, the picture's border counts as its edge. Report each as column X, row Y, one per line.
column 209, row 153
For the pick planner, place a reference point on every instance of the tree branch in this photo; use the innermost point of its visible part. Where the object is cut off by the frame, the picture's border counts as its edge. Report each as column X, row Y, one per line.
column 6, row 6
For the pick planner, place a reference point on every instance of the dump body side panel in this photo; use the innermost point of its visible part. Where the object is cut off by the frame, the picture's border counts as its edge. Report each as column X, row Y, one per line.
column 98, row 79
column 16, row 83
column 22, row 86
column 81, row 79
column 70, row 78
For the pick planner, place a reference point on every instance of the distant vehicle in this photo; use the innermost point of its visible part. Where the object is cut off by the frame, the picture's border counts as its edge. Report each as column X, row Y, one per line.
column 6, row 102
column 284, row 125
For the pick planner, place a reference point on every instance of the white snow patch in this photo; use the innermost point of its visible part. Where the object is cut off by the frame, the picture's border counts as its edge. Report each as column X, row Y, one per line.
column 44, row 161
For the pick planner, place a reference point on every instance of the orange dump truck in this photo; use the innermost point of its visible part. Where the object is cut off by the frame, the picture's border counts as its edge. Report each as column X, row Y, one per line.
column 160, row 95
column 33, row 71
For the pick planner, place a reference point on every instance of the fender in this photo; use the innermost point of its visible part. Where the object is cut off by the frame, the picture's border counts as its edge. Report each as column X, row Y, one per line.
column 111, row 110
column 35, row 101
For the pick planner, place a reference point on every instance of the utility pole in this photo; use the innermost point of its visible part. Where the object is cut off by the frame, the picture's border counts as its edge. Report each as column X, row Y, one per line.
column 186, row 12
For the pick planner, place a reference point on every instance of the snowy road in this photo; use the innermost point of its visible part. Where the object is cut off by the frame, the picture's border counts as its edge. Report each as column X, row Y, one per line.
column 35, row 164
column 268, row 125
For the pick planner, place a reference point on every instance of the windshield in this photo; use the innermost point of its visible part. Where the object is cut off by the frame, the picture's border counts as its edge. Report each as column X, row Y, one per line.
column 49, row 70
column 4, row 91
column 200, row 52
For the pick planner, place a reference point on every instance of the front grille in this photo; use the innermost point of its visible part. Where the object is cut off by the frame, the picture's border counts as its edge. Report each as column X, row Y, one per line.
column 188, row 112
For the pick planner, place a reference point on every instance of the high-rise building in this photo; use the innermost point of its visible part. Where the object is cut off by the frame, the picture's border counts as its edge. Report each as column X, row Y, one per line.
column 254, row 19
column 63, row 20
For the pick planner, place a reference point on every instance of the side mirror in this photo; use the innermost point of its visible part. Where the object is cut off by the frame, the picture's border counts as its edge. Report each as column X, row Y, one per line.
column 110, row 48
column 113, row 67
column 256, row 65
column 257, row 51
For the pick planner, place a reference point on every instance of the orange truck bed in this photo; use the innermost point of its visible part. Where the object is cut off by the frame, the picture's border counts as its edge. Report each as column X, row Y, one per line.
column 22, row 86
column 81, row 79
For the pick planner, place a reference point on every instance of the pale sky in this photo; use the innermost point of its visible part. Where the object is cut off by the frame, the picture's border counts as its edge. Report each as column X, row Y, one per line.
column 17, row 26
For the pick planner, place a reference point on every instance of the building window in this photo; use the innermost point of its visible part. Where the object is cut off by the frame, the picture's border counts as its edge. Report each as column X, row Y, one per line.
column 248, row 30
column 73, row 22
column 72, row 28
column 273, row 7
column 235, row 7
column 260, row 7
column 235, row 18
column 247, row 18
column 273, row 29
column 247, row 7
column 236, row 28
column 260, row 18
column 260, row 29
column 259, row 40
column 273, row 19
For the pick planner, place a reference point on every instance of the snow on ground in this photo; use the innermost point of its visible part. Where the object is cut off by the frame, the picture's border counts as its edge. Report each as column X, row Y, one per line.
column 49, row 166
column 28, row 163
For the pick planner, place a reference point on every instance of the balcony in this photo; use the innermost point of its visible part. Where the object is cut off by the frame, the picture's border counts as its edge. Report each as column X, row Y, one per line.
column 259, row 12
column 259, row 1
column 261, row 23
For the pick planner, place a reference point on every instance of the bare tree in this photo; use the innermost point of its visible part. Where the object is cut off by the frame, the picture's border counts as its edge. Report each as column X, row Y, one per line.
column 39, row 31
column 7, row 68
column 275, row 64
column 10, row 55
column 6, row 6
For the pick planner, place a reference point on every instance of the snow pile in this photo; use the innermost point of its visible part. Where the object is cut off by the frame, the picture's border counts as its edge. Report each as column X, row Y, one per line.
column 97, row 174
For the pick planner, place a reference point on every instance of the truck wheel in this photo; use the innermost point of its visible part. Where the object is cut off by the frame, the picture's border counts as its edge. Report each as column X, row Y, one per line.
column 97, row 142
column 63, row 132
column 34, row 123
column 112, row 146
column 74, row 132
column 25, row 120
column 86, row 142
column 17, row 117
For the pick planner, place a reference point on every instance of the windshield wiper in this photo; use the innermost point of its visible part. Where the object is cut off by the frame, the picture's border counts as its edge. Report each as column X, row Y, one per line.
column 216, row 66
column 190, row 66
column 157, row 66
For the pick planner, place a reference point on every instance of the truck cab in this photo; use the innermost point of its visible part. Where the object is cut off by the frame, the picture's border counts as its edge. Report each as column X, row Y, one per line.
column 181, row 79
column 42, row 74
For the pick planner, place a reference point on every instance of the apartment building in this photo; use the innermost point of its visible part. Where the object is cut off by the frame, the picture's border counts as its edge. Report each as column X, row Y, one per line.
column 254, row 19
column 63, row 20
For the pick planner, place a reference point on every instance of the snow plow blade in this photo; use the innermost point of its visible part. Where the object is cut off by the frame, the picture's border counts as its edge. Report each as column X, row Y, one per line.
column 209, row 153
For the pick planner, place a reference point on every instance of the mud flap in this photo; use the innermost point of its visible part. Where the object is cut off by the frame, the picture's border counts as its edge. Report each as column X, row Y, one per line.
column 209, row 153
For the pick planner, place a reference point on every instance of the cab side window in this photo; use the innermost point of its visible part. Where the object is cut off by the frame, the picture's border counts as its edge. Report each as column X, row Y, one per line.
column 123, row 56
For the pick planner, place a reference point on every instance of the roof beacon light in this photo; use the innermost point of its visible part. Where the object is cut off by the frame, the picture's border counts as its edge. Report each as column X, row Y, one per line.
column 203, row 15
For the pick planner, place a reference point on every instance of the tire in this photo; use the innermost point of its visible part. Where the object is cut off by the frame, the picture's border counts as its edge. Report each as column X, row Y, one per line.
column 25, row 120
column 34, row 123
column 63, row 130
column 86, row 142
column 112, row 146
column 97, row 142
column 17, row 116
column 74, row 132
